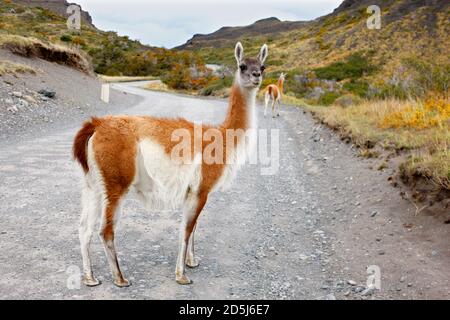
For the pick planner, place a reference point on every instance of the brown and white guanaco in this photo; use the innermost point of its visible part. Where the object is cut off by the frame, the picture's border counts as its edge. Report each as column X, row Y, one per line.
column 274, row 92
column 120, row 153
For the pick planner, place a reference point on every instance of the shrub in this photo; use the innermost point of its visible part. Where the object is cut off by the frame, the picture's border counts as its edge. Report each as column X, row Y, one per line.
column 434, row 112
column 217, row 85
column 66, row 38
column 354, row 67
column 328, row 98
column 79, row 41
column 429, row 76
column 360, row 88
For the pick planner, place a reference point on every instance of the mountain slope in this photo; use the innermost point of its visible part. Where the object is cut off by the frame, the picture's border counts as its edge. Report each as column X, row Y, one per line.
column 418, row 28
column 227, row 35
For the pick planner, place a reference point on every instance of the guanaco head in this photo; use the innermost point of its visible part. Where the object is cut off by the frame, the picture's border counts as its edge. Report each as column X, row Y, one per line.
column 250, row 70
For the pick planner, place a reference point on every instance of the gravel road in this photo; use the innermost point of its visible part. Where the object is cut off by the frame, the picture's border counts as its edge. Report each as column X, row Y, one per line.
column 308, row 232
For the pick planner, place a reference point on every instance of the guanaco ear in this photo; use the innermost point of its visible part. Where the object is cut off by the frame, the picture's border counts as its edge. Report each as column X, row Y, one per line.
column 239, row 53
column 263, row 53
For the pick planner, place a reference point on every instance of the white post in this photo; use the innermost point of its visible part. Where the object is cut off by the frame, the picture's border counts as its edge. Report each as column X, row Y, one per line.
column 105, row 92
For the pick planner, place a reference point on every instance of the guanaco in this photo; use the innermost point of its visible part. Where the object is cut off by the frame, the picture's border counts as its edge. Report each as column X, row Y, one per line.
column 121, row 153
column 274, row 92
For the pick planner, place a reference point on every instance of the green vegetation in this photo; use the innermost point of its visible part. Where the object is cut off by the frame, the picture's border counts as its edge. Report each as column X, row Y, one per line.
column 354, row 67
column 218, row 86
column 358, row 87
column 66, row 38
column 328, row 98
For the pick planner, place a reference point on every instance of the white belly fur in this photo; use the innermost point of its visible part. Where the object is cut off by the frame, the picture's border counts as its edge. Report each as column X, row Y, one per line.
column 160, row 182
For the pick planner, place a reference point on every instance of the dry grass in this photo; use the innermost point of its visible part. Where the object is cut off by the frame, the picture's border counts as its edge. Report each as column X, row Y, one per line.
column 32, row 47
column 111, row 79
column 421, row 128
column 8, row 67
column 157, row 85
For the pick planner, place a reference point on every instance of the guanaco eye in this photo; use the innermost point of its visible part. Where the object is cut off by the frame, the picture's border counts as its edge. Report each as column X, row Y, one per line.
column 263, row 68
column 243, row 67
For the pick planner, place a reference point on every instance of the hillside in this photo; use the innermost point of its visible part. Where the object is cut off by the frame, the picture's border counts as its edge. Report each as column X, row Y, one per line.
column 42, row 23
column 409, row 29
column 227, row 36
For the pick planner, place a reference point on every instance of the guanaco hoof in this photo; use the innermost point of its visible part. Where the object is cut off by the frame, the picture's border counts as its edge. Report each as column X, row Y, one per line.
column 91, row 282
column 183, row 280
column 122, row 283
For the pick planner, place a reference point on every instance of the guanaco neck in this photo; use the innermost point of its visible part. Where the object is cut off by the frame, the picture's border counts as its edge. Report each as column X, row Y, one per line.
column 280, row 84
column 241, row 109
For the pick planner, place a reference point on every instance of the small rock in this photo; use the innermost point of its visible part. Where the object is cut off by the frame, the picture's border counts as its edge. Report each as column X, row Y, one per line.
column 381, row 253
column 368, row 291
column 30, row 99
column 13, row 109
column 351, row 282
column 47, row 93
column 17, row 94
column 271, row 248
column 373, row 213
column 359, row 289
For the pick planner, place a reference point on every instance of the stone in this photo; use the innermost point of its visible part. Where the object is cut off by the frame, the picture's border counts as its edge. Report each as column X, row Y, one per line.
column 47, row 93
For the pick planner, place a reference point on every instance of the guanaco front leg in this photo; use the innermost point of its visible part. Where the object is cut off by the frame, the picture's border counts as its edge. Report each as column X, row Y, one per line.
column 191, row 261
column 193, row 207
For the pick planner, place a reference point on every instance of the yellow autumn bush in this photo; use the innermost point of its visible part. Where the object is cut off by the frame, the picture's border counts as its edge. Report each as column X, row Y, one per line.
column 435, row 111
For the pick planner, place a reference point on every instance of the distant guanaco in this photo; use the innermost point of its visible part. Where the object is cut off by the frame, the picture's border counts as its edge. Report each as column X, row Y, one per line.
column 274, row 92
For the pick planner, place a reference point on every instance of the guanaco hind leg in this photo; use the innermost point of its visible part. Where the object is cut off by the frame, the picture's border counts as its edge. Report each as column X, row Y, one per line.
column 91, row 209
column 110, row 217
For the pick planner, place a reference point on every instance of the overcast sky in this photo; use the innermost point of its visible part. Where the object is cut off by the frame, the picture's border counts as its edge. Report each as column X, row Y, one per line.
column 168, row 23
